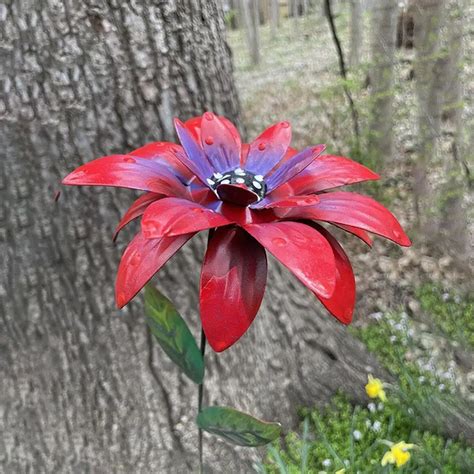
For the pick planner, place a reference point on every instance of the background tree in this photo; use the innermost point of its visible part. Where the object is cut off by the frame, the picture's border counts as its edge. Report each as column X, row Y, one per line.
column 356, row 32
column 442, row 203
column 383, row 31
column 274, row 16
column 251, row 20
column 429, row 20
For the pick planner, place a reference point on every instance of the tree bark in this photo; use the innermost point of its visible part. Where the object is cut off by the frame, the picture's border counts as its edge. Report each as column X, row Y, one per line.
column 356, row 32
column 384, row 18
column 84, row 388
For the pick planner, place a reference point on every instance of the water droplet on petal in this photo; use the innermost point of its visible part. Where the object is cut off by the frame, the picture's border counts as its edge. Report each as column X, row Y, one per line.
column 279, row 241
column 129, row 159
column 209, row 140
column 285, row 124
column 150, row 229
column 262, row 146
column 209, row 116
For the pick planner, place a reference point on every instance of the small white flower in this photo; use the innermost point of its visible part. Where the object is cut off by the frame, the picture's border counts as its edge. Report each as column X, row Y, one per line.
column 368, row 423
column 421, row 378
column 393, row 338
column 346, row 462
column 371, row 406
column 326, row 463
column 441, row 387
column 377, row 426
column 380, row 406
column 411, row 411
column 357, row 435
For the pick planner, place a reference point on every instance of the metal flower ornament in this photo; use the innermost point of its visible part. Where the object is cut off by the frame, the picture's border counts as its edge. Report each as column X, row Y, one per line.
column 252, row 198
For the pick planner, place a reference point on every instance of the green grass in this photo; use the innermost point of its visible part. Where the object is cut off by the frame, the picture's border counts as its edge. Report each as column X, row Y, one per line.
column 413, row 412
column 450, row 312
column 343, row 436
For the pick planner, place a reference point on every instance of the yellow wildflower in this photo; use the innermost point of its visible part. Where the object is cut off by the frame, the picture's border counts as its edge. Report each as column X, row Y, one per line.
column 398, row 454
column 374, row 388
column 341, row 471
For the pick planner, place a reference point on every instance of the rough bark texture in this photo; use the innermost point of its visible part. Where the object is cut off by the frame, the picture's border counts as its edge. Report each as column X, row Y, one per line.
column 383, row 28
column 83, row 386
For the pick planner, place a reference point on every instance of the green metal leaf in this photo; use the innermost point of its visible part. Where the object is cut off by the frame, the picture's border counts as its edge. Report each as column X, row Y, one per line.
column 173, row 334
column 237, row 427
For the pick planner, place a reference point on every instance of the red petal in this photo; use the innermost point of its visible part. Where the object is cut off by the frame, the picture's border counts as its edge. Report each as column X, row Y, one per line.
column 329, row 171
column 303, row 250
column 194, row 127
column 293, row 166
column 220, row 143
column 141, row 260
column 341, row 303
column 354, row 210
column 268, row 149
column 233, row 279
column 136, row 210
column 127, row 171
column 165, row 153
column 362, row 234
column 294, row 201
column 174, row 216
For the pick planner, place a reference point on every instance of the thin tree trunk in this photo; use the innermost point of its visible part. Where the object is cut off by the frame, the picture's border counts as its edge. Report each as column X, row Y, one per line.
column 428, row 20
column 455, row 191
column 249, row 9
column 384, row 21
column 275, row 16
column 356, row 32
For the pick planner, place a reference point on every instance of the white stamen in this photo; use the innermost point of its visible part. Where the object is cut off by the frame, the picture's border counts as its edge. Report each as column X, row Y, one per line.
column 210, row 182
column 226, row 181
column 257, row 185
column 217, row 175
column 259, row 177
column 239, row 172
column 240, row 180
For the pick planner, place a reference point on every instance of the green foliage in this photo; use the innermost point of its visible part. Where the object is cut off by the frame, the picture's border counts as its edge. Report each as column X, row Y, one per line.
column 237, row 427
column 451, row 313
column 353, row 438
column 173, row 334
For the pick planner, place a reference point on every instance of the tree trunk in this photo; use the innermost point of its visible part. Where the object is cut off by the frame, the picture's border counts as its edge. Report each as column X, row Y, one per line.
column 250, row 18
column 275, row 16
column 356, row 32
column 383, row 28
column 453, row 192
column 83, row 386
column 428, row 20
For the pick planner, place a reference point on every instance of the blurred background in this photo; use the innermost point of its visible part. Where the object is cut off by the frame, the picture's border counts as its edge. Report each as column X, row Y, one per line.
column 83, row 388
